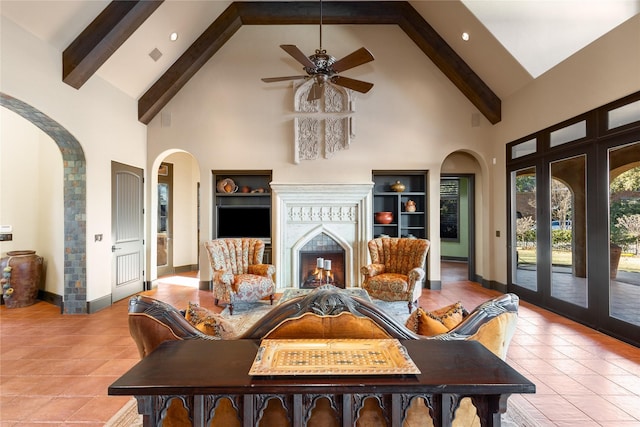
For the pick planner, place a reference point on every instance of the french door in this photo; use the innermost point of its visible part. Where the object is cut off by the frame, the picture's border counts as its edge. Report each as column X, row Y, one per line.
column 574, row 220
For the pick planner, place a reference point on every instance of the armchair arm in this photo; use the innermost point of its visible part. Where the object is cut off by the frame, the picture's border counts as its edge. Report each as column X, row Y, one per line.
column 372, row 270
column 222, row 277
column 415, row 275
column 266, row 270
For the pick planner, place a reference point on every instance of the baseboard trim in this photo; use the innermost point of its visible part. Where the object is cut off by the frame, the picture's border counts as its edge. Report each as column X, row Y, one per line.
column 434, row 285
column 454, row 259
column 51, row 298
column 205, row 285
column 185, row 268
column 98, row 304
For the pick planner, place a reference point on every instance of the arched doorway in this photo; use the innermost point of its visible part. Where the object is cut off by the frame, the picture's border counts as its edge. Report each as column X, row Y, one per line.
column 458, row 217
column 75, row 195
column 175, row 229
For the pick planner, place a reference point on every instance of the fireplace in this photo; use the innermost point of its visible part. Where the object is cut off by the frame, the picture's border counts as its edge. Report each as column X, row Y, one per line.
column 321, row 263
column 335, row 218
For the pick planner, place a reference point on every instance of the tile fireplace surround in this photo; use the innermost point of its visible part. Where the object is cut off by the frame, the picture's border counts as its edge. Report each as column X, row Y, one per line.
column 302, row 211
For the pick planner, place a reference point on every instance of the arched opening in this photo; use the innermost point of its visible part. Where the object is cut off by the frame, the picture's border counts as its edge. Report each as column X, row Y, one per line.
column 74, row 198
column 175, row 222
column 459, row 197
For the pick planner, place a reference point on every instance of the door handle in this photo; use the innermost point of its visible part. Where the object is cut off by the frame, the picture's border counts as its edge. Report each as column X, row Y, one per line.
column 113, row 248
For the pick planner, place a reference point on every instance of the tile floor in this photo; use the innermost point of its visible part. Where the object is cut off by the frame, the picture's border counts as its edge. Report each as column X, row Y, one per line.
column 55, row 369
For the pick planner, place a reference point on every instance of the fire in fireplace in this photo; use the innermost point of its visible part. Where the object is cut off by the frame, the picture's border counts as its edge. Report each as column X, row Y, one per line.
column 322, row 262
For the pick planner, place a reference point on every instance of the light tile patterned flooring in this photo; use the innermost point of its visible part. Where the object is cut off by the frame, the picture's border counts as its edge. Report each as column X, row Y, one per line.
column 55, row 369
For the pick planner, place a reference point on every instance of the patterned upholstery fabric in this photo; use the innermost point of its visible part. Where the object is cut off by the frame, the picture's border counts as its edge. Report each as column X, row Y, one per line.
column 396, row 270
column 238, row 273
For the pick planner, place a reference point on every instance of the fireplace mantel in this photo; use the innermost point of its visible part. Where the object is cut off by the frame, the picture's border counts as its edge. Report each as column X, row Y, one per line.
column 300, row 211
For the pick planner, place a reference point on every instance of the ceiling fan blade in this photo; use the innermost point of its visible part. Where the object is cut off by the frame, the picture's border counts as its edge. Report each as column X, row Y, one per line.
column 298, row 55
column 357, row 85
column 282, row 79
column 359, row 57
column 315, row 92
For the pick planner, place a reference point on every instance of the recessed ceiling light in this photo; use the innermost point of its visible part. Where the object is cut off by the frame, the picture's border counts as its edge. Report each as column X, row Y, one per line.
column 465, row 36
column 173, row 37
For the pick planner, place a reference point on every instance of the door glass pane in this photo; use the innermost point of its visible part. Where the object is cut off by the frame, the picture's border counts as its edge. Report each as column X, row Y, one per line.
column 523, row 220
column 624, row 233
column 568, row 208
column 163, row 217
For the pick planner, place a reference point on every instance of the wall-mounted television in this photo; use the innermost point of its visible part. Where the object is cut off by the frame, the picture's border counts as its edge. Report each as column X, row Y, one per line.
column 244, row 221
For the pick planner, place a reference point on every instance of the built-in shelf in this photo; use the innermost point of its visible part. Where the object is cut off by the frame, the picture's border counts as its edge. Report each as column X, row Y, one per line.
column 405, row 224
column 245, row 211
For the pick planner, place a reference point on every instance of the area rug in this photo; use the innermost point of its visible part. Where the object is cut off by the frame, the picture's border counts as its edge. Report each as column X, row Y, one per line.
column 246, row 315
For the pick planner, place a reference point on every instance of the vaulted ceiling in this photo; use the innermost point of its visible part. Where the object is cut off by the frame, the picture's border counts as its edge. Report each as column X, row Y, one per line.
column 97, row 37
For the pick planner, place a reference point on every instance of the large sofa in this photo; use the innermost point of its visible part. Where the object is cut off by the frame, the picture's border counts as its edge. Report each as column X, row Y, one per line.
column 328, row 313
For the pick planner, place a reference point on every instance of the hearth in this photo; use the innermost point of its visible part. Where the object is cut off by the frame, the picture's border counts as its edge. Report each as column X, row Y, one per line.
column 321, row 263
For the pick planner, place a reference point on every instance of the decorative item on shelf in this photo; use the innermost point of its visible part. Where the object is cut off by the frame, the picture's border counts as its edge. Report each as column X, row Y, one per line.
column 226, row 186
column 398, row 187
column 384, row 217
column 245, row 189
column 258, row 190
column 410, row 206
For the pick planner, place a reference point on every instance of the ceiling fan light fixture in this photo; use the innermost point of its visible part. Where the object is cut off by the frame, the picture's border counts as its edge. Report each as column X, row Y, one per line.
column 324, row 68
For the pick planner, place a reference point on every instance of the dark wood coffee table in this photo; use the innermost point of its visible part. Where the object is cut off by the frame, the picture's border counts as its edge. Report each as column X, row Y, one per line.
column 450, row 370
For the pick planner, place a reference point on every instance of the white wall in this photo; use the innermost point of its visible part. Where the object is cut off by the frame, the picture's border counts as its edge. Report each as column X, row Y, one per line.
column 31, row 189
column 100, row 117
column 604, row 71
column 229, row 119
column 185, row 214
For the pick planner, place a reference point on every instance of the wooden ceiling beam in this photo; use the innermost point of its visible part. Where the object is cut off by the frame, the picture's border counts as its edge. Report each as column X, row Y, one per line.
column 303, row 12
column 82, row 58
column 448, row 61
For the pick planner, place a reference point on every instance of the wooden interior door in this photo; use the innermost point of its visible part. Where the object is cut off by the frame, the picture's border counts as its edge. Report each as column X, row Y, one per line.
column 127, row 231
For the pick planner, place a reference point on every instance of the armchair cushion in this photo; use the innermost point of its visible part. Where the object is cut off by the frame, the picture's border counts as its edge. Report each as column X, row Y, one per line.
column 251, row 287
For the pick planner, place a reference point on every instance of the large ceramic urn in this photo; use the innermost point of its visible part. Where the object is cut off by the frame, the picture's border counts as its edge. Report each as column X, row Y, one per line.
column 21, row 273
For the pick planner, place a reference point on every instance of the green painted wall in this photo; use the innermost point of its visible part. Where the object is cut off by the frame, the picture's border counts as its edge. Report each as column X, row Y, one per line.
column 459, row 249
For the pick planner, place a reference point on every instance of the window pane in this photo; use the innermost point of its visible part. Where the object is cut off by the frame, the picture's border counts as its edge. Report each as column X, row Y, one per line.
column 523, row 219
column 568, row 205
column 624, row 115
column 624, row 233
column 568, row 134
column 523, row 149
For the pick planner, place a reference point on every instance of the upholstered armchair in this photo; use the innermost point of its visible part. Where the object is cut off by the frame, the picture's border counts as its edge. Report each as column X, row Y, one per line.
column 238, row 273
column 396, row 270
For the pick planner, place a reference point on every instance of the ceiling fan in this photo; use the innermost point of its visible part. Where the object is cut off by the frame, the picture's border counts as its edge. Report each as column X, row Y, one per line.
column 324, row 68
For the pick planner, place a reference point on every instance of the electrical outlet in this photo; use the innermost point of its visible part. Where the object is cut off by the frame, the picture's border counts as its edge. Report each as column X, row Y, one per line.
column 98, row 237
column 497, row 233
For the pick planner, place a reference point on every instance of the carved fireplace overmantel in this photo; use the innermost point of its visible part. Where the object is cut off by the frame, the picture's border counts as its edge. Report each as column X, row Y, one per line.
column 301, row 211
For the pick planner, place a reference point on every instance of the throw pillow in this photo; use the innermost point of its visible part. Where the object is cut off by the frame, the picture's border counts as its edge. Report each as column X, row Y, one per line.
column 208, row 322
column 430, row 323
column 451, row 315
